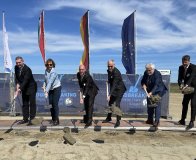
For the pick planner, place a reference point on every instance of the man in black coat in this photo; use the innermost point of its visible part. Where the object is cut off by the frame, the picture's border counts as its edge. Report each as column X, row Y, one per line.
column 153, row 85
column 192, row 83
column 117, row 89
column 184, row 74
column 88, row 91
column 26, row 85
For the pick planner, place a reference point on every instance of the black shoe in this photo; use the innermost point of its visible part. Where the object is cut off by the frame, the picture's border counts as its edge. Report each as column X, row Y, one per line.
column 117, row 124
column 89, row 123
column 181, row 122
column 191, row 125
column 156, row 124
column 55, row 123
column 107, row 120
column 149, row 122
column 29, row 123
column 51, row 122
column 23, row 122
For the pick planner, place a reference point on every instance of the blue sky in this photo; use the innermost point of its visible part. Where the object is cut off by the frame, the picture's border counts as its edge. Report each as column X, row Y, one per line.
column 165, row 32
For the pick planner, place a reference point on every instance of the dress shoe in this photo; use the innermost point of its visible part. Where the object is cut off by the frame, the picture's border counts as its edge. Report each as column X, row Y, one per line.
column 55, row 123
column 51, row 122
column 107, row 120
column 117, row 124
column 191, row 125
column 156, row 124
column 23, row 122
column 29, row 123
column 181, row 122
column 89, row 123
column 149, row 122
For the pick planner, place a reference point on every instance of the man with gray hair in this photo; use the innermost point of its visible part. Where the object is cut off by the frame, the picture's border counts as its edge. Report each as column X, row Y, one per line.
column 154, row 87
column 117, row 89
column 26, row 85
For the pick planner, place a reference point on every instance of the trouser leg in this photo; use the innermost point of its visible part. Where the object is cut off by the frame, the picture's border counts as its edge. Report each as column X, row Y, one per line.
column 158, row 112
column 117, row 101
column 185, row 103
column 50, row 96
column 193, row 108
column 25, row 107
column 90, row 109
column 112, row 100
column 32, row 99
column 150, row 111
column 56, row 97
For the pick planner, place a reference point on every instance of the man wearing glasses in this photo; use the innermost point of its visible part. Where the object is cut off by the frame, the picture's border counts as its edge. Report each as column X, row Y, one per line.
column 117, row 89
column 26, row 85
column 153, row 86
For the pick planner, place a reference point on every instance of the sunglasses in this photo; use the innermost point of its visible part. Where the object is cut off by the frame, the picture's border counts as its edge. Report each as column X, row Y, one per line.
column 49, row 64
column 110, row 66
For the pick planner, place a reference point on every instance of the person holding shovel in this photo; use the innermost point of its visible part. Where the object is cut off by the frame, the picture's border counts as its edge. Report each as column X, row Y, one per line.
column 154, row 87
column 52, row 90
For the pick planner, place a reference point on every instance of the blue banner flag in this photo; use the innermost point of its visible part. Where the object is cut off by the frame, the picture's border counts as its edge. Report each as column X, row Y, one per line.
column 128, row 44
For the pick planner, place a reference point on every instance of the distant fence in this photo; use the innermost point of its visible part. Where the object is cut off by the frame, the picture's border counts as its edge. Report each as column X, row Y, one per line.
column 133, row 102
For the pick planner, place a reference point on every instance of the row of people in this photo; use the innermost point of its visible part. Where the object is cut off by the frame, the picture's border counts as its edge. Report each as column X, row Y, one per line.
column 52, row 88
column 151, row 82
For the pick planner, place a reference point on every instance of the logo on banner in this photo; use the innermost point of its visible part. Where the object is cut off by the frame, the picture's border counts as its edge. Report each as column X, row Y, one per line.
column 144, row 102
column 68, row 101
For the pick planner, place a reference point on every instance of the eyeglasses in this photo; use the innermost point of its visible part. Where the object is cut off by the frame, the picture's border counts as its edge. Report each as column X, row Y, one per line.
column 49, row 64
column 110, row 66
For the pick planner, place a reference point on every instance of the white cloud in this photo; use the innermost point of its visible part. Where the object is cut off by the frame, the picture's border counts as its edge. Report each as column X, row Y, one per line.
column 151, row 18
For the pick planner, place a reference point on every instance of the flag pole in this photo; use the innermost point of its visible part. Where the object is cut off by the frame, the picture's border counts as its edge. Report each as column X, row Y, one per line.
column 44, row 38
column 3, row 21
column 88, row 43
column 135, row 39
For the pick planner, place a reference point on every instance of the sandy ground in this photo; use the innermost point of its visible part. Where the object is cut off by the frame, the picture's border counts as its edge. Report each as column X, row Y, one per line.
column 104, row 145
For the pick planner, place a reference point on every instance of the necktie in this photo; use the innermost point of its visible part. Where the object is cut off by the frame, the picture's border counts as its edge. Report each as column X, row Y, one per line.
column 185, row 70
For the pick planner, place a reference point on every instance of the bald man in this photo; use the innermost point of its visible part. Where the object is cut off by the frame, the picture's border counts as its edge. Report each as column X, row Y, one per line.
column 88, row 90
column 117, row 89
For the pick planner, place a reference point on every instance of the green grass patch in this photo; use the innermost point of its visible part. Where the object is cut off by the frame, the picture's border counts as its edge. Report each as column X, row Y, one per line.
column 174, row 88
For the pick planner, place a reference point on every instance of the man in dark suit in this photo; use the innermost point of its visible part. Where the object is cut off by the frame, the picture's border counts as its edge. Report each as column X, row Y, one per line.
column 153, row 85
column 26, row 85
column 184, row 74
column 192, row 83
column 88, row 91
column 117, row 89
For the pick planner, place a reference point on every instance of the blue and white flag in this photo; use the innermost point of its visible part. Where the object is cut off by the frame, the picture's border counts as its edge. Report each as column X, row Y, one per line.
column 128, row 44
column 6, row 51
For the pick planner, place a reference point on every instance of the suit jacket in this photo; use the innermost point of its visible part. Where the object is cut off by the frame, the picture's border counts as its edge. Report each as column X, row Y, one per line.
column 87, row 85
column 25, row 79
column 192, row 81
column 185, row 77
column 154, row 83
column 117, row 86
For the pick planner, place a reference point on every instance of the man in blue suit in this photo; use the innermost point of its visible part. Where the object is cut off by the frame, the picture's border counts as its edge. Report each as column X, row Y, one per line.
column 153, row 85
